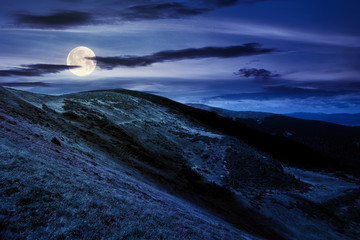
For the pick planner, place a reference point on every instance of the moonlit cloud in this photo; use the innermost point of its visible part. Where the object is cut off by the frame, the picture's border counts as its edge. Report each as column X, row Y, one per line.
column 177, row 55
column 32, row 70
column 265, row 31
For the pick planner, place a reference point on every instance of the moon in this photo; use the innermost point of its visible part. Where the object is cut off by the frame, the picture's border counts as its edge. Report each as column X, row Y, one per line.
column 79, row 57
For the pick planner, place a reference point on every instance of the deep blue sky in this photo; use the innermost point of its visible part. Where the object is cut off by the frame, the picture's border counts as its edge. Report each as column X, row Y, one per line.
column 307, row 56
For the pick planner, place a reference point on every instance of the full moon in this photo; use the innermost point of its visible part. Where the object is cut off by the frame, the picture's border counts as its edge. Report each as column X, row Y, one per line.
column 79, row 57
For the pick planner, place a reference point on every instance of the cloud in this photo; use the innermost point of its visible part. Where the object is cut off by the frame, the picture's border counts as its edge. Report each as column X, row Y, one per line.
column 176, row 55
column 35, row 70
column 24, row 84
column 226, row 3
column 171, row 10
column 315, row 96
column 59, row 20
column 291, row 91
column 223, row 3
column 137, row 61
column 160, row 11
column 65, row 19
column 261, row 73
column 112, row 12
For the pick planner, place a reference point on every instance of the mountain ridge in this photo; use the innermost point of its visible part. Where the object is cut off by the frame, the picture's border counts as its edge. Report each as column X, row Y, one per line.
column 337, row 144
column 347, row 119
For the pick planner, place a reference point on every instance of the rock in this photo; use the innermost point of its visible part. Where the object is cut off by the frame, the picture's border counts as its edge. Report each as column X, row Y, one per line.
column 56, row 141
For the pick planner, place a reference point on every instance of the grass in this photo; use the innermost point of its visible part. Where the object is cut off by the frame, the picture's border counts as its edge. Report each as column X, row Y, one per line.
column 144, row 168
column 43, row 198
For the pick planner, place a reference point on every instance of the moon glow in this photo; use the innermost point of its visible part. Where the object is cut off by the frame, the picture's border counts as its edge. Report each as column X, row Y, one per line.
column 79, row 57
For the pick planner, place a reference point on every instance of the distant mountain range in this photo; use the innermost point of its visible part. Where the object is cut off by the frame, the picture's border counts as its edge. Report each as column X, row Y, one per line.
column 345, row 119
column 121, row 164
column 338, row 118
column 337, row 144
column 232, row 114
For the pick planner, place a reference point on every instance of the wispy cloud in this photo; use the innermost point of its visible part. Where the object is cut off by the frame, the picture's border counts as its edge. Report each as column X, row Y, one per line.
column 297, row 90
column 329, row 97
column 272, row 32
column 160, row 11
column 177, row 55
column 24, row 84
column 172, row 9
column 111, row 12
column 35, row 70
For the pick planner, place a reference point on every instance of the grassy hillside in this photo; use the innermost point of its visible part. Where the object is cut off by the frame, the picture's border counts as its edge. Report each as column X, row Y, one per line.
column 124, row 164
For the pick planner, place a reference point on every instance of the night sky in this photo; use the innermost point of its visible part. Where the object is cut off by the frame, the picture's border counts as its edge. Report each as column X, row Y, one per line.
column 260, row 55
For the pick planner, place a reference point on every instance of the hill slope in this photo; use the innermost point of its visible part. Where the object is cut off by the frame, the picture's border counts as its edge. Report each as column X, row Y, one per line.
column 339, row 146
column 123, row 164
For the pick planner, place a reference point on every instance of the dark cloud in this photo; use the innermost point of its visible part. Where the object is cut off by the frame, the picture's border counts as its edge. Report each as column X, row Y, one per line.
column 60, row 19
column 116, row 11
column 261, row 73
column 225, row 3
column 24, row 84
column 190, row 53
column 160, row 11
column 136, row 61
column 66, row 19
column 34, row 70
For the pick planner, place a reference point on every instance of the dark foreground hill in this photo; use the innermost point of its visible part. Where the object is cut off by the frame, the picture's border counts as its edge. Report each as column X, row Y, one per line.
column 120, row 164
